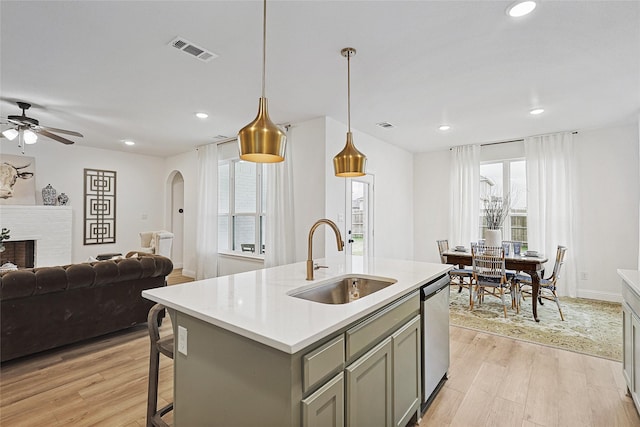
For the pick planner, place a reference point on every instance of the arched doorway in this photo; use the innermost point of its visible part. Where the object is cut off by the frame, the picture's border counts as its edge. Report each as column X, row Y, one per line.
column 176, row 216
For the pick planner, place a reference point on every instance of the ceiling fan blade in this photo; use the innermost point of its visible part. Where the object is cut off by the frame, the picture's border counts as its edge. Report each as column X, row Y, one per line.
column 48, row 134
column 67, row 132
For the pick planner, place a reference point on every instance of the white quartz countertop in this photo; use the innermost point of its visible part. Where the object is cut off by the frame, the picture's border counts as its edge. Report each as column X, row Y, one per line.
column 256, row 304
column 632, row 278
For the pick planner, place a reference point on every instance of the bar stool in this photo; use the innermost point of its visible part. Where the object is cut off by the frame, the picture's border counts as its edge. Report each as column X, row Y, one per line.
column 158, row 345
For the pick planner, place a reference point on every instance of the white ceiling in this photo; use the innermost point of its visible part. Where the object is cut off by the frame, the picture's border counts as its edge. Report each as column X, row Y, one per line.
column 105, row 69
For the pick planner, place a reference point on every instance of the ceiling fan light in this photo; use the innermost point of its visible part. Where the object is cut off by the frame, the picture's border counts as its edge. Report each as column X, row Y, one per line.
column 30, row 137
column 10, row 134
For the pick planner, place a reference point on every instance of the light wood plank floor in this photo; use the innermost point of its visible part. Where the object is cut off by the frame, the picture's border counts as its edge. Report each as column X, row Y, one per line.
column 493, row 381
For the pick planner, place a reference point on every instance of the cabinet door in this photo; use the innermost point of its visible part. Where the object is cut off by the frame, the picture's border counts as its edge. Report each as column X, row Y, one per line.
column 406, row 372
column 627, row 343
column 369, row 388
column 635, row 372
column 325, row 407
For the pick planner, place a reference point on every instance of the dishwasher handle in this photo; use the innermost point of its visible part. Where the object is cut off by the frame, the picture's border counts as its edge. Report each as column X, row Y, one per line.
column 434, row 287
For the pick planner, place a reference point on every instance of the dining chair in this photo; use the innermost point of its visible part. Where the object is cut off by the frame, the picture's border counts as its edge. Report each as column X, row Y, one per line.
column 489, row 276
column 459, row 276
column 548, row 287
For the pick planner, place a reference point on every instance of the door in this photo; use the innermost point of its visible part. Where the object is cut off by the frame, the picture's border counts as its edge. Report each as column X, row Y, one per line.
column 177, row 219
column 369, row 388
column 627, row 350
column 359, row 218
column 406, row 372
column 325, row 407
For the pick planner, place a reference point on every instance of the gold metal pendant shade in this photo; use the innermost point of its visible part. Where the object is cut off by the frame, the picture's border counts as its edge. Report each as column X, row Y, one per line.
column 261, row 141
column 349, row 162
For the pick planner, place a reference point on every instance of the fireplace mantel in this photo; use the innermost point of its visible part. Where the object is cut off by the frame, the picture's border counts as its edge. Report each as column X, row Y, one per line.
column 49, row 226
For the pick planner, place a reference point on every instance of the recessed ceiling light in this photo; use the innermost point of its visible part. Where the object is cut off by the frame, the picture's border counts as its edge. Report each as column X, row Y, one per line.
column 521, row 8
column 202, row 115
column 536, row 111
column 128, row 142
column 444, row 127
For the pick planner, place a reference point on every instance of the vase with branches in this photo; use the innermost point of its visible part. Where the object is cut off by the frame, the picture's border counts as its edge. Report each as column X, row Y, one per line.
column 496, row 210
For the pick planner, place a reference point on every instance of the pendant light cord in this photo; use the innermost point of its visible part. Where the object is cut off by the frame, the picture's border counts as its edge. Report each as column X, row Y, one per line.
column 349, row 90
column 264, row 46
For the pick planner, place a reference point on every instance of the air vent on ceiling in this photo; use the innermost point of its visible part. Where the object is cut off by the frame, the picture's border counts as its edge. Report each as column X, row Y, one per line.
column 385, row 125
column 192, row 49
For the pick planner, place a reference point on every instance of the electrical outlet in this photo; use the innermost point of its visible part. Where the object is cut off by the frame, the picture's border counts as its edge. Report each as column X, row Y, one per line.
column 143, row 216
column 182, row 340
column 584, row 275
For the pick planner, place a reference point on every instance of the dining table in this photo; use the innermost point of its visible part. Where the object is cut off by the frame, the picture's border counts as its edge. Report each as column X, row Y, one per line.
column 531, row 265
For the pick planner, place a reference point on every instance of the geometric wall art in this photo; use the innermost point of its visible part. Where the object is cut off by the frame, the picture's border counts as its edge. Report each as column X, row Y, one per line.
column 99, row 206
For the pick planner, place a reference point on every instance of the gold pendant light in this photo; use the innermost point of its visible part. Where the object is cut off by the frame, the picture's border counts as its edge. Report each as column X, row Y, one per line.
column 349, row 162
column 261, row 141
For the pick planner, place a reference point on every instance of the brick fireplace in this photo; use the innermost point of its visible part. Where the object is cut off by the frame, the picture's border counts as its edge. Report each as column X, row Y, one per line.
column 21, row 253
column 48, row 228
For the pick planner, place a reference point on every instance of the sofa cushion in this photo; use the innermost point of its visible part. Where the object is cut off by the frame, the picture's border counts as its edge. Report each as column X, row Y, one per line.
column 50, row 279
column 18, row 284
column 129, row 269
column 80, row 275
column 106, row 272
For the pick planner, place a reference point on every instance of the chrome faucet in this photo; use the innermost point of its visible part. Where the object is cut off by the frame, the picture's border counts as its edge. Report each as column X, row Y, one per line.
column 310, row 266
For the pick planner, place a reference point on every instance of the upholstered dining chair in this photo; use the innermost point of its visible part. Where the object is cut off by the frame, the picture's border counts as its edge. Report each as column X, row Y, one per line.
column 490, row 277
column 548, row 287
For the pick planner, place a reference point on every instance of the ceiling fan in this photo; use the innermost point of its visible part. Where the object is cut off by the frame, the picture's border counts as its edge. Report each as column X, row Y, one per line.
column 28, row 129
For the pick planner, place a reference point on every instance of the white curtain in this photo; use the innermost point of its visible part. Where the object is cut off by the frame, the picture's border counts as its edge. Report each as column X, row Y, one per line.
column 207, row 225
column 280, row 239
column 465, row 195
column 551, row 201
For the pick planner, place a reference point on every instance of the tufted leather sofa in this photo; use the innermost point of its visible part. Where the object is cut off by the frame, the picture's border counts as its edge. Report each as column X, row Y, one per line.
column 47, row 307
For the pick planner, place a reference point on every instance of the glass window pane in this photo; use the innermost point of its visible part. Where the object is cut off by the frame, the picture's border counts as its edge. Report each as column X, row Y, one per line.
column 223, row 188
column 245, row 187
column 491, row 179
column 223, row 232
column 262, row 222
column 264, row 190
column 244, row 232
column 518, row 186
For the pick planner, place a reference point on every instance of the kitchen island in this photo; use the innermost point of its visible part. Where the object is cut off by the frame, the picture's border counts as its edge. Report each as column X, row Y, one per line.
column 250, row 353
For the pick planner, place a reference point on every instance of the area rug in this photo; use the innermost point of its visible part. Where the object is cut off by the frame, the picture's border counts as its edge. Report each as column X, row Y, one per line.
column 590, row 326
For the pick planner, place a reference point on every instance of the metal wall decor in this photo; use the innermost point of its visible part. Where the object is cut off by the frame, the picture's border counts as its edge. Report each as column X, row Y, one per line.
column 99, row 206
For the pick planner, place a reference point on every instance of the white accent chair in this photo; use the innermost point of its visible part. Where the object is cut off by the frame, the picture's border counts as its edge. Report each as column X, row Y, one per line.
column 156, row 242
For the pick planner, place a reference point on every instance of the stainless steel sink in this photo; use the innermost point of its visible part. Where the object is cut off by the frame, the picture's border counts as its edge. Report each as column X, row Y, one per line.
column 344, row 290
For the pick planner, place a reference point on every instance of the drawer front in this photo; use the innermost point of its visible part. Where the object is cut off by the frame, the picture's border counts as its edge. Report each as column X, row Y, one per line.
column 366, row 334
column 322, row 362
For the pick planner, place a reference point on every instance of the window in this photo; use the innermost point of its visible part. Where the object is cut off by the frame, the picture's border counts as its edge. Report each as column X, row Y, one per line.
column 499, row 179
column 241, row 207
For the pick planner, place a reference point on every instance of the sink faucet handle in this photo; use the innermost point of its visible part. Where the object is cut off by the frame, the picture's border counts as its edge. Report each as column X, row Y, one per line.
column 317, row 267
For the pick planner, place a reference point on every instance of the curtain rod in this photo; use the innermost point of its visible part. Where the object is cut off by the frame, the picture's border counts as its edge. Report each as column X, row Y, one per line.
column 575, row 132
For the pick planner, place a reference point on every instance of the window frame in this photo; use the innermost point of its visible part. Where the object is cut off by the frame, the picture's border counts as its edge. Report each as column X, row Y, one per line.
column 259, row 215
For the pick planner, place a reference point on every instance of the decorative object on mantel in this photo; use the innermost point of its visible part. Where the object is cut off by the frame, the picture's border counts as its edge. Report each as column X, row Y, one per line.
column 496, row 210
column 8, row 266
column 63, row 199
column 99, row 206
column 4, row 235
column 49, row 195
column 17, row 187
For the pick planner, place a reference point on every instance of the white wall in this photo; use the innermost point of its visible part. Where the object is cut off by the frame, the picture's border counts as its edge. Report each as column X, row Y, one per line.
column 431, row 202
column 139, row 189
column 393, row 199
column 187, row 165
column 607, row 162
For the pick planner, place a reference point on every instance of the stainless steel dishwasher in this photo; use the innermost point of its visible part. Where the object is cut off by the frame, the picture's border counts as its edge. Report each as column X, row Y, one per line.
column 435, row 337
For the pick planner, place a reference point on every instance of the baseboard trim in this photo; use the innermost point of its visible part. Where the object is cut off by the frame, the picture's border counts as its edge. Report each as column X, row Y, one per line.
column 189, row 273
column 599, row 295
column 177, row 265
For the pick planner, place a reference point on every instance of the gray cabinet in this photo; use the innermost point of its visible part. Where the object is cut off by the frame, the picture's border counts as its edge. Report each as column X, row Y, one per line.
column 631, row 340
column 325, row 407
column 406, row 372
column 369, row 388
column 627, row 340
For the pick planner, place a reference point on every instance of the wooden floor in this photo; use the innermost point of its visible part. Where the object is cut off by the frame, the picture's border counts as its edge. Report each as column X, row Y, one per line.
column 493, row 381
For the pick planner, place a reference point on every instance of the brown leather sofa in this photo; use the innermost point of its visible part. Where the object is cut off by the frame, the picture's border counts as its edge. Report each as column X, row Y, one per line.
column 47, row 307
